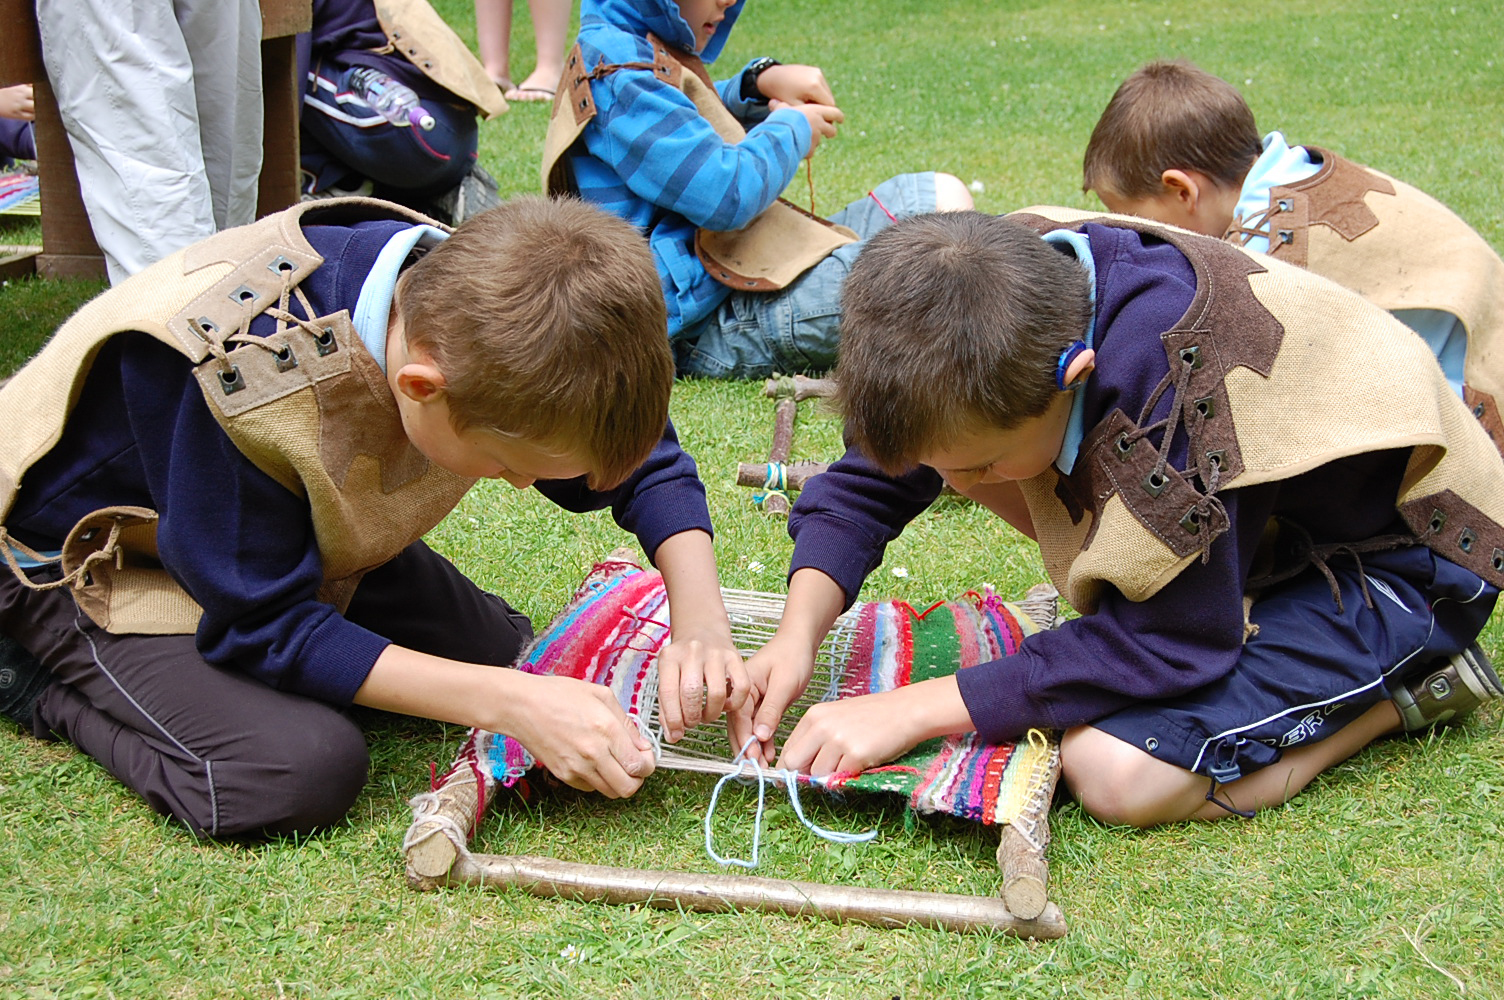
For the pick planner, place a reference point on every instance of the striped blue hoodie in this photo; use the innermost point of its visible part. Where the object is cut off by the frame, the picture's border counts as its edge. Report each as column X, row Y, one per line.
column 649, row 157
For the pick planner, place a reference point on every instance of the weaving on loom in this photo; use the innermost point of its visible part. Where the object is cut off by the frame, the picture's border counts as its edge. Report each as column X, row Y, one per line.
column 610, row 633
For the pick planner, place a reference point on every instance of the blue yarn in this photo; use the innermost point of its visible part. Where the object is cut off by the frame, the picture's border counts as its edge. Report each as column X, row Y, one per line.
column 790, row 779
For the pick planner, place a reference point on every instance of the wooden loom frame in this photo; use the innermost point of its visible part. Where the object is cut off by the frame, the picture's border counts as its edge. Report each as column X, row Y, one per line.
column 446, row 818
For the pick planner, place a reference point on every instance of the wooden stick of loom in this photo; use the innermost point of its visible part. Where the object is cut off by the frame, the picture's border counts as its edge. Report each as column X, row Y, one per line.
column 776, row 502
column 547, row 877
column 796, row 474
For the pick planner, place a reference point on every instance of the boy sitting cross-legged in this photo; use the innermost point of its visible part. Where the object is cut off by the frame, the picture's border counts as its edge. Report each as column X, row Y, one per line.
column 215, row 479
column 752, row 283
column 1280, row 548
column 1179, row 145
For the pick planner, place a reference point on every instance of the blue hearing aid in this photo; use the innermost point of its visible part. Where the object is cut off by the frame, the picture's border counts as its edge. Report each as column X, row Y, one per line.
column 1063, row 365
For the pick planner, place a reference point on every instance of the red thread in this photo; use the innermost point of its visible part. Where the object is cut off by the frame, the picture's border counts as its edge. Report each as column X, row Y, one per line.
column 874, row 197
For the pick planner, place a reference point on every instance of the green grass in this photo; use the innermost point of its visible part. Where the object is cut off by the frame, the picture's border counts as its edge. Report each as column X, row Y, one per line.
column 1382, row 867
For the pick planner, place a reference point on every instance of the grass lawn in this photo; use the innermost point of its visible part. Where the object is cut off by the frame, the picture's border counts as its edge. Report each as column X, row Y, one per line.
column 1379, row 881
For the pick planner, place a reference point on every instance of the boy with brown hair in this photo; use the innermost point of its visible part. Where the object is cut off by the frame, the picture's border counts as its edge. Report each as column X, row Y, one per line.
column 216, row 477
column 1274, row 566
column 1179, row 145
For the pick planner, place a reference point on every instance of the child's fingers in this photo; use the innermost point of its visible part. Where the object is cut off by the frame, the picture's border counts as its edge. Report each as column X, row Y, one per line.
column 668, row 699
column 738, row 684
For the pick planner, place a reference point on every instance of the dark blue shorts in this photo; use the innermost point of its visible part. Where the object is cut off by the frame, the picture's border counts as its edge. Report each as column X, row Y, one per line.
column 1312, row 669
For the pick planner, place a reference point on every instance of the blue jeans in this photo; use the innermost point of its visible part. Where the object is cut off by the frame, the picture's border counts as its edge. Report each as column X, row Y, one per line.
column 797, row 329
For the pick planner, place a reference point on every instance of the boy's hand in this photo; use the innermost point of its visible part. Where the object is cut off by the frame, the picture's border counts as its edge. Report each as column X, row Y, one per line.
column 700, row 674
column 795, row 85
column 823, row 119
column 778, row 674
column 16, row 102
column 848, row 736
column 579, row 732
column 854, row 734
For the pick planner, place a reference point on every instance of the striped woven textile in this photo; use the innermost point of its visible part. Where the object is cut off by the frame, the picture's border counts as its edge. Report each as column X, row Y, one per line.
column 612, row 629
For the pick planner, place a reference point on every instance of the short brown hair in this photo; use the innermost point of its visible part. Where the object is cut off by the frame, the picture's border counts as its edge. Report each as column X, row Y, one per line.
column 951, row 320
column 548, row 322
column 1170, row 115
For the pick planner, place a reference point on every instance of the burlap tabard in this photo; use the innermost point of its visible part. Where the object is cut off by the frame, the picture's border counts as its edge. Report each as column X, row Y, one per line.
column 417, row 32
column 308, row 406
column 780, row 244
column 1267, row 344
column 1401, row 249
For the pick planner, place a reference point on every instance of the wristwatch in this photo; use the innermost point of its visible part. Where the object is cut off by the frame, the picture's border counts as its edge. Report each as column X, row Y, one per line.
column 751, row 73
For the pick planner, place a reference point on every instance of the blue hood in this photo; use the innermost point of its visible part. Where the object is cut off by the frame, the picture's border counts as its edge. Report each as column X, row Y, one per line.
column 661, row 17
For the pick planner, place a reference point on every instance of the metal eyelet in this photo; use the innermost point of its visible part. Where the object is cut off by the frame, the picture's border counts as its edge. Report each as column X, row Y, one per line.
column 281, row 265
column 1155, row 483
column 1498, row 561
column 1438, row 520
column 1151, row 744
column 1466, row 539
column 244, row 295
column 1478, row 411
column 206, row 325
column 1286, row 236
column 1191, row 356
column 1206, row 406
column 1215, row 457
column 325, row 342
column 1285, row 205
column 230, row 381
column 1123, row 446
column 286, row 360
column 1192, row 521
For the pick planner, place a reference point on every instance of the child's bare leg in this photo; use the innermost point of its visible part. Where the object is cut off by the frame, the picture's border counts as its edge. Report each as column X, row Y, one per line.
column 493, row 32
column 951, row 194
column 1117, row 782
column 550, row 33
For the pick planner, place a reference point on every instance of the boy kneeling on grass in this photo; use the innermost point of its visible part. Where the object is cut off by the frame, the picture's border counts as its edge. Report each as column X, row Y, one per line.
column 1280, row 525
column 215, row 479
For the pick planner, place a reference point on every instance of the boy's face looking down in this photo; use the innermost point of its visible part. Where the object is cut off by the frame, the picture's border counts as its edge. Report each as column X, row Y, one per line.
column 703, row 18
column 1187, row 198
column 420, row 391
column 986, row 454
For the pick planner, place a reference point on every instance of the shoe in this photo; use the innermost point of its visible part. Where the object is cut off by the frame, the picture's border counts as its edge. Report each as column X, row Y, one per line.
column 364, row 189
column 1448, row 691
column 475, row 193
column 22, row 678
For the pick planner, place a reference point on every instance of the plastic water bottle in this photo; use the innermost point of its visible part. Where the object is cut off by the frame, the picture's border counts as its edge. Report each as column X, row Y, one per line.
column 396, row 102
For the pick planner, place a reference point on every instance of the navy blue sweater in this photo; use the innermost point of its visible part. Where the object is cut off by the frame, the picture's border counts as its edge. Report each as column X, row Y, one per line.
column 1188, row 634
column 241, row 544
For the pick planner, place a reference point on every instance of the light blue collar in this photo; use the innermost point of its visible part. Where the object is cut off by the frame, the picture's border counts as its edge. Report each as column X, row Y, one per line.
column 373, row 309
column 1279, row 163
column 1075, row 429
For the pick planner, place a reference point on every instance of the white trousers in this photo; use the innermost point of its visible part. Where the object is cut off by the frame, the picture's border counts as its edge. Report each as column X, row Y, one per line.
column 162, row 103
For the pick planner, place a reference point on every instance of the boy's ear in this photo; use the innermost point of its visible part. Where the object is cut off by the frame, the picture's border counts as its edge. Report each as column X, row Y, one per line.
column 1183, row 186
column 421, row 381
column 1082, row 365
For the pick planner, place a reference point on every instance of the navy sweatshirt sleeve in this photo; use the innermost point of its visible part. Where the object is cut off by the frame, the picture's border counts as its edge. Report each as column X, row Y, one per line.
column 663, row 497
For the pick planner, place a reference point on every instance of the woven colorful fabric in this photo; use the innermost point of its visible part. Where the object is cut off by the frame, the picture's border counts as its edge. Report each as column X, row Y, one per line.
column 611, row 632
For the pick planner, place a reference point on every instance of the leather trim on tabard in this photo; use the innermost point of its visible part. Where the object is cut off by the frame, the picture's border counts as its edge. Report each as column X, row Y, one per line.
column 1168, row 505
column 1225, row 327
column 1457, row 531
column 1486, row 409
column 421, row 36
column 252, row 375
column 1332, row 197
